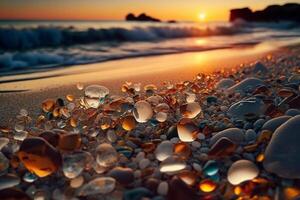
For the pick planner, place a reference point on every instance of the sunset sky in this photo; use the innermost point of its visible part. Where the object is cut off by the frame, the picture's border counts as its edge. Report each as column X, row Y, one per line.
column 117, row 9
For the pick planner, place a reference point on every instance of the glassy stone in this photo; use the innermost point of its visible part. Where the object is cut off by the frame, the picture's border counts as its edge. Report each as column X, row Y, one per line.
column 74, row 164
column 96, row 91
column 3, row 142
column 164, row 150
column 187, row 130
column 190, row 110
column 182, row 149
column 77, row 182
column 172, row 164
column 242, row 170
column 21, row 135
column 142, row 111
column 102, row 185
column 210, row 168
column 128, row 123
column 29, row 177
column 48, row 105
column 8, row 181
column 188, row 177
column 69, row 141
column 4, row 163
column 207, row 185
column 39, row 157
column 161, row 116
column 107, row 156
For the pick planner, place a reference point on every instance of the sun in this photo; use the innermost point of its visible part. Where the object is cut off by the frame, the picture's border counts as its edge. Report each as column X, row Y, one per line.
column 202, row 16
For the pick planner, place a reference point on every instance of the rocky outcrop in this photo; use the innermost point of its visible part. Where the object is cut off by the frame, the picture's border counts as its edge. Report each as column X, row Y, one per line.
column 273, row 13
column 142, row 17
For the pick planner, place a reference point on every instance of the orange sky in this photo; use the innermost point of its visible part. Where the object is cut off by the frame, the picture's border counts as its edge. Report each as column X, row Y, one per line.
column 117, row 9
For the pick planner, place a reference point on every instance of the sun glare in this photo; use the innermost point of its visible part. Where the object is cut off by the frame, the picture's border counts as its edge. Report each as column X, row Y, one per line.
column 202, row 16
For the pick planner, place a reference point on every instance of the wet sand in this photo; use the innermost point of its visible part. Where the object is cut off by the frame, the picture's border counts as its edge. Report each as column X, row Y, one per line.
column 29, row 90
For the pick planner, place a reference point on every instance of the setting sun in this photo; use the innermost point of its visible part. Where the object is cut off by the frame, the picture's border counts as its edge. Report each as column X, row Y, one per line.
column 202, row 16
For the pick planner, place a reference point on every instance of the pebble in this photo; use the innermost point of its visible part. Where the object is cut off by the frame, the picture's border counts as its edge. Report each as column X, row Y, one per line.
column 246, row 85
column 224, row 84
column 123, row 175
column 236, row 135
column 8, row 181
column 172, row 164
column 144, row 163
column 250, row 135
column 164, row 150
column 107, row 156
column 187, row 130
column 282, row 152
column 242, row 170
column 142, row 111
column 3, row 142
column 163, row 188
column 274, row 123
column 190, row 110
column 101, row 185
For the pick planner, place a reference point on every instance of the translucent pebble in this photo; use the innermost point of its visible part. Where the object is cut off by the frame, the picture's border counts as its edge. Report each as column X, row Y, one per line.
column 48, row 105
column 161, row 116
column 29, row 177
column 189, row 177
column 102, row 185
column 23, row 112
column 111, row 136
column 73, row 164
column 190, row 110
column 70, row 97
column 211, row 168
column 163, row 188
column 128, row 123
column 3, row 142
column 164, row 150
column 96, row 91
column 92, row 102
column 4, row 163
column 142, row 111
column 69, row 141
column 144, row 163
column 79, row 86
column 8, row 181
column 207, row 185
column 107, row 156
column 191, row 97
column 77, row 182
column 172, row 164
column 187, row 130
column 19, row 126
column 21, row 135
column 242, row 170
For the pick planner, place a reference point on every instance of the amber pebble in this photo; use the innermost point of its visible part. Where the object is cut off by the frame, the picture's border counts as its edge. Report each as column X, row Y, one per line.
column 188, row 177
column 70, row 97
column 207, row 185
column 56, row 112
column 69, row 141
column 73, row 122
column 50, row 137
column 13, row 194
column 264, row 136
column 223, row 147
column 260, row 157
column 290, row 193
column 128, row 123
column 148, row 147
column 39, row 156
column 48, row 105
column 182, row 149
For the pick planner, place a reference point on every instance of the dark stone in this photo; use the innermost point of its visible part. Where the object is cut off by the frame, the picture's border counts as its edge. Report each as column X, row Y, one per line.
column 272, row 13
column 178, row 190
column 13, row 193
column 142, row 18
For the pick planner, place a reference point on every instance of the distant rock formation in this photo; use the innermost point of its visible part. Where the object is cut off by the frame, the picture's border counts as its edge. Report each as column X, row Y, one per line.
column 273, row 13
column 142, row 17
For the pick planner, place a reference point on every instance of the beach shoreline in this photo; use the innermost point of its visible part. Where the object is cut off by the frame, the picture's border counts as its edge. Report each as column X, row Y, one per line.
column 15, row 97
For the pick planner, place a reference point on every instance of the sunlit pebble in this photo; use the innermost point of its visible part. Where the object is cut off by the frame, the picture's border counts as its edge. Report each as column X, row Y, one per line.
column 29, row 177
column 191, row 97
column 207, row 185
column 73, row 165
column 48, row 105
column 161, row 116
column 241, row 171
column 107, row 156
column 128, row 123
column 197, row 167
column 162, row 107
column 187, row 130
column 137, row 87
column 23, row 112
column 21, row 135
column 70, row 97
column 142, row 111
column 96, row 91
column 77, row 182
column 164, row 150
column 190, row 110
column 3, row 142
column 101, row 185
column 188, row 177
column 172, row 164
column 79, row 86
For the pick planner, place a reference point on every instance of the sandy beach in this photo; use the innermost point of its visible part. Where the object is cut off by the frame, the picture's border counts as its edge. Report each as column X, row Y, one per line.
column 29, row 90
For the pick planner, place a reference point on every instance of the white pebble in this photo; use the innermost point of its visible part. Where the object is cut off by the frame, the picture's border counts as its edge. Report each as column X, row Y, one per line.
column 163, row 188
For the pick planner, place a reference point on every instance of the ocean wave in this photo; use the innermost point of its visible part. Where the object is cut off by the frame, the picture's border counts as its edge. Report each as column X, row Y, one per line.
column 29, row 38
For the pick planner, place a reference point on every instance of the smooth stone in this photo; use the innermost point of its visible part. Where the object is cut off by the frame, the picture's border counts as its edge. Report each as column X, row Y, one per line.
column 259, row 68
column 74, row 164
column 144, row 163
column 163, row 188
column 172, row 164
column 107, row 155
column 274, row 123
column 102, row 185
column 13, row 194
column 4, row 163
column 137, row 194
column 69, row 141
column 164, row 150
column 123, row 175
column 222, row 147
column 290, row 112
column 8, row 181
column 236, row 135
column 242, row 170
column 190, row 110
column 244, row 108
column 179, row 190
column 250, row 135
column 224, row 83
column 187, row 130
column 142, row 111
column 3, row 142
column 246, row 85
column 39, row 157
column 96, row 91
column 282, row 153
